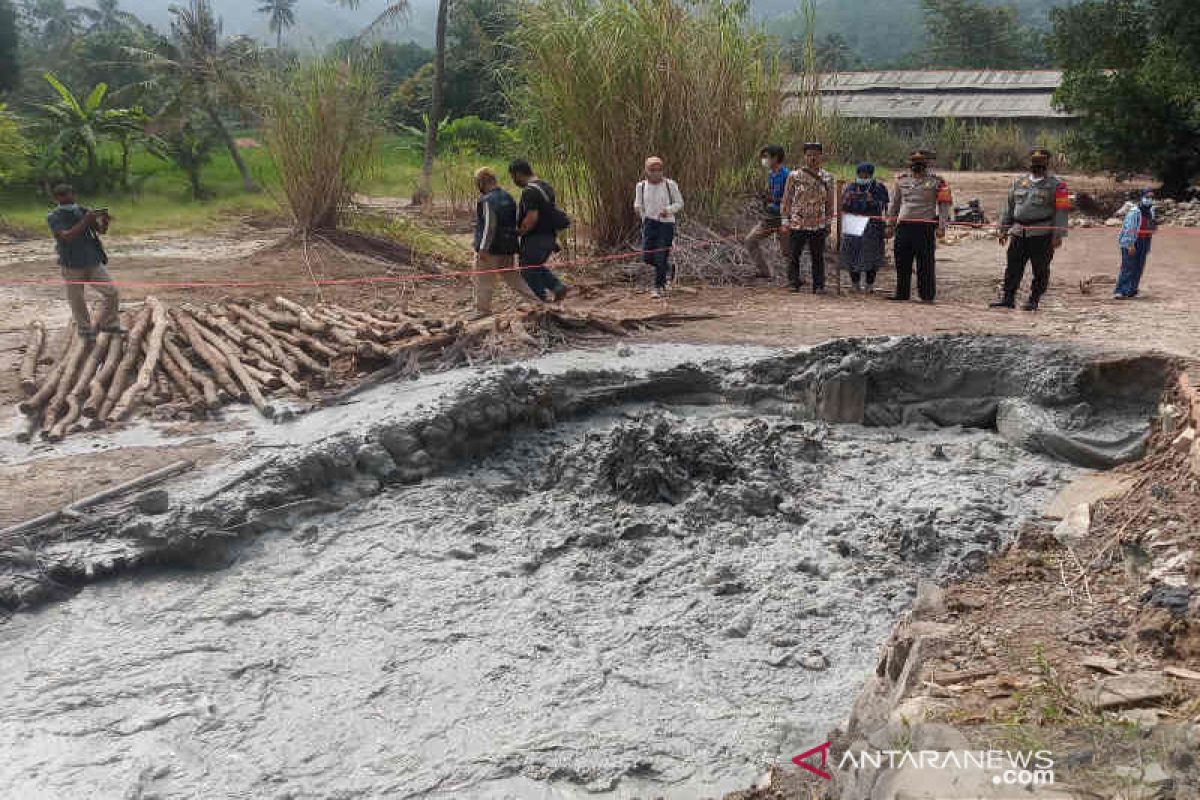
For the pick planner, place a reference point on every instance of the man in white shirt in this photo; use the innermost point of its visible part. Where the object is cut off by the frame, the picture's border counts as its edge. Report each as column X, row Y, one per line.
column 657, row 200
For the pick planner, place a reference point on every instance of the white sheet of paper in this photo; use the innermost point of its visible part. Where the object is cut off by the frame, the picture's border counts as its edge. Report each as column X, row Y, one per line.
column 854, row 225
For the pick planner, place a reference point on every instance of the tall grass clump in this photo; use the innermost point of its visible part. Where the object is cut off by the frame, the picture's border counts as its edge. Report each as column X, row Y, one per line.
column 604, row 83
column 320, row 128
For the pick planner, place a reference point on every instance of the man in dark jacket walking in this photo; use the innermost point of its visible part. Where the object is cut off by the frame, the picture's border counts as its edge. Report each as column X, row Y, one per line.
column 538, row 219
column 496, row 242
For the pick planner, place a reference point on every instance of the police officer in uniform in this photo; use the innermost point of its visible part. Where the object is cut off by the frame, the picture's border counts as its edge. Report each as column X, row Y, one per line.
column 920, row 208
column 1034, row 225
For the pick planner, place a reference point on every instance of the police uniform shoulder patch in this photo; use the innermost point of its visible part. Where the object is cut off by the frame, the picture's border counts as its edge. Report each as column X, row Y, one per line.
column 1062, row 197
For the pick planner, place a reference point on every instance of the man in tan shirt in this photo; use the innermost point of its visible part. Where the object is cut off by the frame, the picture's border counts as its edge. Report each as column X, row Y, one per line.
column 809, row 208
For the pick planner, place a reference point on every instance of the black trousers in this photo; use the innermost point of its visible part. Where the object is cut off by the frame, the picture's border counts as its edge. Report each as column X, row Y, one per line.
column 815, row 240
column 1038, row 250
column 916, row 241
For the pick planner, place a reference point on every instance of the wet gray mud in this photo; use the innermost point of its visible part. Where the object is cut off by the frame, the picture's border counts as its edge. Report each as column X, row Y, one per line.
column 554, row 583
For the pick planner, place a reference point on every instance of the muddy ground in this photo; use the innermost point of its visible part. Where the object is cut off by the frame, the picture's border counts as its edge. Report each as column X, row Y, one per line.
column 1077, row 309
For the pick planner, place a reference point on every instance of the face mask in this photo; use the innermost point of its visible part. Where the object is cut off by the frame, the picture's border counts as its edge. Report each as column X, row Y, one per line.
column 69, row 206
column 864, row 181
column 1147, row 202
column 766, row 162
column 918, row 169
column 1038, row 170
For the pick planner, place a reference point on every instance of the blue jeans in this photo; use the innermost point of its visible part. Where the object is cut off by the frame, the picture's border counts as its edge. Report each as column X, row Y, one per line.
column 657, row 238
column 1132, row 267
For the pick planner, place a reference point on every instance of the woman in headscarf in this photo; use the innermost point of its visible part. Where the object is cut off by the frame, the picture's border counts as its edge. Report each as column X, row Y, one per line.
column 863, row 255
column 1135, row 238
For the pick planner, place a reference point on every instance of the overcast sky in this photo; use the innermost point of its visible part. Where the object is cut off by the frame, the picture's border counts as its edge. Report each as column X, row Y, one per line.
column 319, row 21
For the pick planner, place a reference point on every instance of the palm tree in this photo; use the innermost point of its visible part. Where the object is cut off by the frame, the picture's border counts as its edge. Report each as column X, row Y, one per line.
column 108, row 16
column 282, row 15
column 198, row 71
column 394, row 10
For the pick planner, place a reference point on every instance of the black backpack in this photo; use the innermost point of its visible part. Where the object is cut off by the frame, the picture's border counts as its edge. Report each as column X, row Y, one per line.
column 558, row 218
column 506, row 242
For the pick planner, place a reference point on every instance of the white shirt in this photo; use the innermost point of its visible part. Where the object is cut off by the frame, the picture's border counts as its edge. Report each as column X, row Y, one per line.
column 651, row 199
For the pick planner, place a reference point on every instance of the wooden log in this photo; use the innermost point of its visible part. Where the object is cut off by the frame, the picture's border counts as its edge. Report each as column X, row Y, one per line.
column 33, row 405
column 283, row 320
column 373, row 350
column 269, row 380
column 267, row 337
column 313, row 345
column 57, row 403
column 344, row 325
column 251, row 386
column 183, row 384
column 221, row 343
column 35, row 340
column 74, row 400
column 126, row 368
column 218, row 324
column 312, row 325
column 304, row 359
column 176, row 359
column 153, row 348
column 214, row 358
column 98, row 386
column 294, row 386
column 262, row 355
column 372, row 327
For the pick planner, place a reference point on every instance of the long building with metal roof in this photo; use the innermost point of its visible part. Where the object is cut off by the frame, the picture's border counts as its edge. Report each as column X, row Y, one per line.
column 910, row 97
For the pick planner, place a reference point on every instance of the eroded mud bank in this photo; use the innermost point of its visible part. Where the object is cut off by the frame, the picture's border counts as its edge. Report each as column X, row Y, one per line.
column 554, row 583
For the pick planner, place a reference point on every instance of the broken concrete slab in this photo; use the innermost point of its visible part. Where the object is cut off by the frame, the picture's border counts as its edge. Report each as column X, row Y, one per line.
column 1075, row 526
column 1088, row 489
column 1125, row 691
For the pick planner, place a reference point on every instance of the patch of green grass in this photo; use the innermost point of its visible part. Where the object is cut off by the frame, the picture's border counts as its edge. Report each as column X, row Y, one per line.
column 162, row 201
column 422, row 239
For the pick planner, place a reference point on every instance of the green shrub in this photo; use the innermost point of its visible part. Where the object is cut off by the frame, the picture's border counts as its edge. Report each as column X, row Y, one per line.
column 605, row 83
column 479, row 136
column 320, row 126
column 14, row 151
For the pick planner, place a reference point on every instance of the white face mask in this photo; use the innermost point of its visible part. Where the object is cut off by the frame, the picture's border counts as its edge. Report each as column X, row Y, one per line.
column 766, row 162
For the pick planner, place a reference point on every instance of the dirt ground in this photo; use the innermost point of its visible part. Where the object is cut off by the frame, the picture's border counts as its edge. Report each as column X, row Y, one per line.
column 744, row 311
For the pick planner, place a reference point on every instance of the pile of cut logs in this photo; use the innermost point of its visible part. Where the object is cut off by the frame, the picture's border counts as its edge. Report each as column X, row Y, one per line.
column 189, row 361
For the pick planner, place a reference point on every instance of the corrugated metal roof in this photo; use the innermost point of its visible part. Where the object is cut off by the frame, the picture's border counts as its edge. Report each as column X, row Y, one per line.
column 986, row 105
column 939, row 80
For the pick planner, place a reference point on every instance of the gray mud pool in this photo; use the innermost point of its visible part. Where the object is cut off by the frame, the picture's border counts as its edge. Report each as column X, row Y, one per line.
column 646, row 598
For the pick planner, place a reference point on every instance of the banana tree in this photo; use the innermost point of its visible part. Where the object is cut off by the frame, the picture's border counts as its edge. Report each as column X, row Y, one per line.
column 73, row 129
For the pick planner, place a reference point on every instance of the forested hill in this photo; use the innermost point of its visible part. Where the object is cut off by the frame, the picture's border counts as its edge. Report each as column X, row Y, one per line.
column 318, row 22
column 877, row 32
